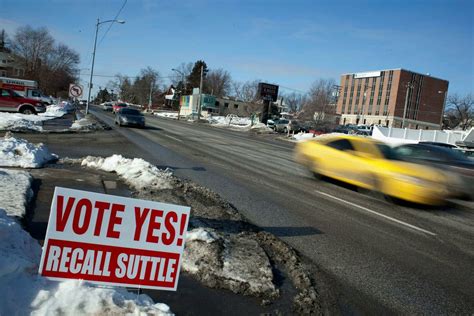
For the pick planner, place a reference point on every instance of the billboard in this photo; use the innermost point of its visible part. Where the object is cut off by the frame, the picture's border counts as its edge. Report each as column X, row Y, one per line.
column 114, row 240
column 268, row 91
column 367, row 74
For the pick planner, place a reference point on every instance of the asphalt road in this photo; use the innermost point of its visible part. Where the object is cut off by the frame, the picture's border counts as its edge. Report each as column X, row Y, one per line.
column 375, row 256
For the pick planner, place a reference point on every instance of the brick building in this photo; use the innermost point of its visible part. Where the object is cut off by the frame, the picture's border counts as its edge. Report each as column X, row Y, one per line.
column 393, row 97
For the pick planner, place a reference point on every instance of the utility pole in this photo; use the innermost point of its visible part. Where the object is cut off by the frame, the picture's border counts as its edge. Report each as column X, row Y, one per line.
column 151, row 91
column 92, row 68
column 200, row 94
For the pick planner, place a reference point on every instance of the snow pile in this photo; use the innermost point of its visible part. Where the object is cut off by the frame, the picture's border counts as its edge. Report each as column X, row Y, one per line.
column 303, row 136
column 56, row 110
column 25, row 292
column 83, row 123
column 15, row 191
column 230, row 120
column 21, row 153
column 173, row 115
column 234, row 262
column 137, row 172
column 20, row 122
column 200, row 234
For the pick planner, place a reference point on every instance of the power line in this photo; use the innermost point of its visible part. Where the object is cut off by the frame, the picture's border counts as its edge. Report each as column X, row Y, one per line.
column 110, row 25
column 129, row 77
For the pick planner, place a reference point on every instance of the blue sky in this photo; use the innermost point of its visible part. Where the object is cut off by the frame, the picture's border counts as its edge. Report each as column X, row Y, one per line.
column 291, row 43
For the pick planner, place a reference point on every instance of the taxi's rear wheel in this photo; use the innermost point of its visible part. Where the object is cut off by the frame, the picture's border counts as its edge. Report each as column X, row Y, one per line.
column 315, row 170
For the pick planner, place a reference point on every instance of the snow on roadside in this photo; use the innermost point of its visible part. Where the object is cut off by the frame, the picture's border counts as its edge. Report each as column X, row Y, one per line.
column 21, row 153
column 83, row 123
column 15, row 191
column 18, row 122
column 25, row 292
column 234, row 262
column 57, row 110
column 137, row 172
column 239, row 123
column 300, row 137
column 173, row 115
column 21, row 122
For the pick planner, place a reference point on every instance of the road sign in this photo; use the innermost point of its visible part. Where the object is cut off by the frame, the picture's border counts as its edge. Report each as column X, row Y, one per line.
column 268, row 92
column 114, row 240
column 75, row 90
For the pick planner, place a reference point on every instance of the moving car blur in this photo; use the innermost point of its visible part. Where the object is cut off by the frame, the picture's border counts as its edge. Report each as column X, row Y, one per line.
column 442, row 157
column 129, row 117
column 373, row 165
column 117, row 106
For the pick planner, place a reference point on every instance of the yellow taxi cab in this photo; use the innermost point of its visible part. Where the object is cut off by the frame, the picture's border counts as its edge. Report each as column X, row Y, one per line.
column 370, row 164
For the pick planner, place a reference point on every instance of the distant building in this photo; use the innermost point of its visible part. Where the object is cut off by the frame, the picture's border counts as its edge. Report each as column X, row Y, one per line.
column 392, row 97
column 9, row 67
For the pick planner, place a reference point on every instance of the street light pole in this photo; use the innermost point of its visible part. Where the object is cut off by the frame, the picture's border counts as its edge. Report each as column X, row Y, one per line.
column 409, row 86
column 93, row 57
column 183, row 87
column 200, row 94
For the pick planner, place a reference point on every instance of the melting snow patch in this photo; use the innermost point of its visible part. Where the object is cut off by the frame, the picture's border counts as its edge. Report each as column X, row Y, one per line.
column 234, row 262
column 21, row 153
column 25, row 292
column 173, row 115
column 19, row 122
column 56, row 110
column 137, row 172
column 15, row 191
column 83, row 123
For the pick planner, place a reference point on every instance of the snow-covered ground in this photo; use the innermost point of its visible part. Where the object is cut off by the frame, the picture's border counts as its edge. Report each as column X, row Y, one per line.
column 137, row 172
column 18, row 121
column 173, row 115
column 21, row 153
column 239, row 123
column 15, row 191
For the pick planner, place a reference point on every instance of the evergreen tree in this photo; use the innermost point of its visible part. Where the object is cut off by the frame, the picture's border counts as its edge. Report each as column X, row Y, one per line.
column 194, row 78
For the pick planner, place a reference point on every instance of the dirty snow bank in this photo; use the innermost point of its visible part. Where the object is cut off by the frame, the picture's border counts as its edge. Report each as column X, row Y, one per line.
column 239, row 123
column 137, row 172
column 57, row 110
column 25, row 292
column 19, row 122
column 173, row 115
column 237, row 262
column 15, row 191
column 21, row 153
column 83, row 123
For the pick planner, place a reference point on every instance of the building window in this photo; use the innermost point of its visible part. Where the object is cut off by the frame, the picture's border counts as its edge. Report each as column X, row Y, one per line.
column 226, row 105
column 4, row 61
column 217, row 103
column 3, row 73
column 236, row 106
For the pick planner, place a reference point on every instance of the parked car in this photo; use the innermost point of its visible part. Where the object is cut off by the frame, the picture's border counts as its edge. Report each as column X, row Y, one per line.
column 10, row 101
column 83, row 102
column 271, row 123
column 117, row 106
column 107, row 106
column 373, row 165
column 129, row 117
column 285, row 126
column 444, row 158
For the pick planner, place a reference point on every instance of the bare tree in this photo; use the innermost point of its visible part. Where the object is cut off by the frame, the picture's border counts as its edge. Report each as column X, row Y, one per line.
column 460, row 111
column 319, row 103
column 293, row 100
column 185, row 69
column 53, row 65
column 218, row 82
column 246, row 91
column 32, row 47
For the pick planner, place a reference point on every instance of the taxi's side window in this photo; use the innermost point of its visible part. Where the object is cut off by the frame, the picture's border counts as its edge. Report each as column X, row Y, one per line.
column 341, row 144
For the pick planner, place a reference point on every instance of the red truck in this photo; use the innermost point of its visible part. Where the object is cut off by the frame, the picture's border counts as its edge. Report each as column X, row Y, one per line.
column 10, row 101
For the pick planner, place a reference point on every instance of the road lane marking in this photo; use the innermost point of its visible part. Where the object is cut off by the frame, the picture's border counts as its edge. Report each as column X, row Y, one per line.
column 176, row 139
column 378, row 214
